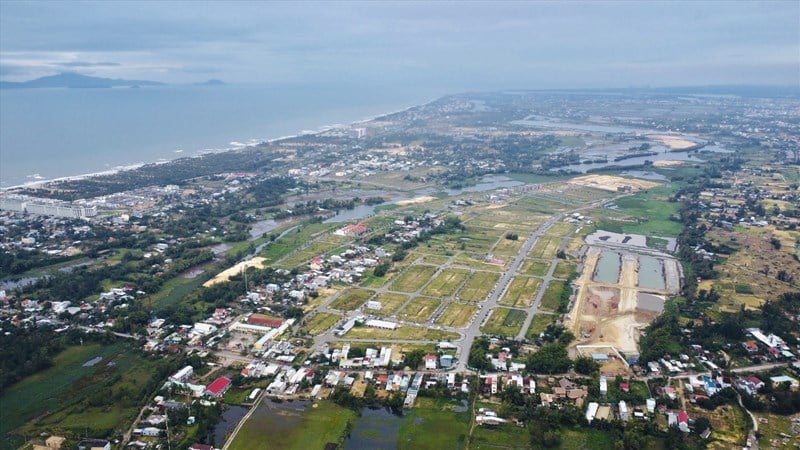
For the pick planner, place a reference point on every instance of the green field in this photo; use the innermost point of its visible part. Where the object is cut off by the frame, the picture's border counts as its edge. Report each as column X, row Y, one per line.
column 539, row 324
column 564, row 270
column 413, row 278
column 320, row 323
column 586, row 439
column 456, row 315
column 420, row 309
column 520, row 292
column 651, row 212
column 390, row 302
column 175, row 290
column 478, row 286
column 351, row 299
column 294, row 240
column 56, row 395
column 506, row 436
column 446, row 283
column 504, row 322
column 286, row 428
column 507, row 248
column 546, row 247
column 552, row 296
column 304, row 255
column 534, row 267
column 433, row 425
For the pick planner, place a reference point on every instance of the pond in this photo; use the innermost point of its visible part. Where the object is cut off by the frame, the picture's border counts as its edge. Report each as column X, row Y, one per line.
column 608, row 267
column 651, row 272
column 377, row 428
column 227, row 423
column 650, row 302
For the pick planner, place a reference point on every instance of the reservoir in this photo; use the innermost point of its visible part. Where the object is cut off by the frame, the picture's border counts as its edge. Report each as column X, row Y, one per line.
column 608, row 267
column 651, row 272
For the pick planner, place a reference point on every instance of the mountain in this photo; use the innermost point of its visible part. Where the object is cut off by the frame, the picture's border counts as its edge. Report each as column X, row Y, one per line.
column 74, row 80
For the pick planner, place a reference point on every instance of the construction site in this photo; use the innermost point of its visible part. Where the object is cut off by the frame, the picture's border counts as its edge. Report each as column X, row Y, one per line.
column 620, row 290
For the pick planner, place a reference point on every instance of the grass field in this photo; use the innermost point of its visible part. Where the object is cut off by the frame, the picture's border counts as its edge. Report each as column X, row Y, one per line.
column 546, row 247
column 456, row 315
column 420, row 309
column 586, row 439
column 520, row 292
column 403, row 332
column 320, row 323
column 414, row 278
column 476, row 262
column 304, row 255
column 351, row 299
column 478, row 286
column 433, row 425
column 552, row 296
column 563, row 270
column 506, row 436
column 652, row 212
column 293, row 240
column 291, row 429
column 538, row 325
column 175, row 290
column 504, row 322
column 446, row 283
column 390, row 302
column 506, row 248
column 534, row 267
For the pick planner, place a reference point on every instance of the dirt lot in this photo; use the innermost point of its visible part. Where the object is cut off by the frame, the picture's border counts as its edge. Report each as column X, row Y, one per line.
column 611, row 183
column 225, row 275
column 672, row 142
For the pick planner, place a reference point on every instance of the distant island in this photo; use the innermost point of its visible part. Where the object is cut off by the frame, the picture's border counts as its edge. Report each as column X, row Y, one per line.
column 77, row 81
column 212, row 82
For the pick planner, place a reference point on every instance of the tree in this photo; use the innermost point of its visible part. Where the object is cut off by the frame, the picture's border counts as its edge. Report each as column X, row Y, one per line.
column 586, row 366
column 414, row 358
column 551, row 358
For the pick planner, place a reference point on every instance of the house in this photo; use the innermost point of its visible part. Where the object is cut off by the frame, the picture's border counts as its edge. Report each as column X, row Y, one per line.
column 777, row 381
column 430, row 362
column 218, row 387
column 94, row 444
column 446, row 361
column 51, row 443
column 750, row 346
column 182, row 375
column 603, row 385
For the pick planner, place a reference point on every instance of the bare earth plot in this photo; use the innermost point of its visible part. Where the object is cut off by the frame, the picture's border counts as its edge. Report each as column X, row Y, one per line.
column 478, row 286
column 446, row 283
column 520, row 292
column 457, row 315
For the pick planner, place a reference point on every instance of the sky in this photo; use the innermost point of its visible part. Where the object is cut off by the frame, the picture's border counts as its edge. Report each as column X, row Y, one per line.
column 463, row 45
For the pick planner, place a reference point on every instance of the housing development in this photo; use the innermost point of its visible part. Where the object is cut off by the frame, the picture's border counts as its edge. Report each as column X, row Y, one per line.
column 605, row 269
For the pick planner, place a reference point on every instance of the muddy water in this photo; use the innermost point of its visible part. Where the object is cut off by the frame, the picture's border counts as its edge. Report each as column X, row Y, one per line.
column 650, row 302
column 375, row 429
column 651, row 272
column 608, row 267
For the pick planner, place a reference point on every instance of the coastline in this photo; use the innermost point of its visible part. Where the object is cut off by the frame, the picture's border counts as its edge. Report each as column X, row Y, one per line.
column 205, row 151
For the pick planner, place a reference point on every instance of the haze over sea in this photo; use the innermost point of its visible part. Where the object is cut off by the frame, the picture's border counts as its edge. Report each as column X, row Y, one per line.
column 53, row 133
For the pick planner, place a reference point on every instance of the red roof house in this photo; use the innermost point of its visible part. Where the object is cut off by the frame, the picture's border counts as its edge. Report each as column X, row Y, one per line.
column 218, row 387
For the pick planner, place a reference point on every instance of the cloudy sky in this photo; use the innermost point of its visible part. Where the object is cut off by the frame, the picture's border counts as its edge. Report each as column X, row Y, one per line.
column 468, row 45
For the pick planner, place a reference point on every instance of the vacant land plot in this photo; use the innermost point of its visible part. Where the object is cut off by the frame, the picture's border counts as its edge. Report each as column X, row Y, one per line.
column 420, row 309
column 546, row 247
column 534, row 267
column 414, row 278
column 560, row 229
column 564, row 270
column 478, row 286
column 611, row 182
column 504, row 322
column 303, row 255
column 446, row 283
column 403, row 332
column 552, row 296
column 437, row 260
column 520, row 292
column 539, row 324
column 351, row 299
column 389, row 303
column 456, row 315
column 507, row 436
column 477, row 262
column 507, row 248
column 320, row 323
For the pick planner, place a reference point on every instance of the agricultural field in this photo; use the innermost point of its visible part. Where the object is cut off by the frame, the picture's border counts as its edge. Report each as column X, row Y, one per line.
column 320, row 323
column 552, row 296
column 424, row 426
column 390, row 302
column 478, row 286
column 546, row 247
column 534, row 267
column 413, row 278
column 446, row 283
column 351, row 299
column 504, row 322
column 403, row 332
column 456, row 315
column 520, row 292
column 420, row 309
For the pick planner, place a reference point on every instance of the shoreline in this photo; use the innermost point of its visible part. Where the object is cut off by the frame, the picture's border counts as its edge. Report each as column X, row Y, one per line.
column 206, row 151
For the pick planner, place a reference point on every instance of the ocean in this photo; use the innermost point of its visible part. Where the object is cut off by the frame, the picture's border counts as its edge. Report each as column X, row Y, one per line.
column 53, row 133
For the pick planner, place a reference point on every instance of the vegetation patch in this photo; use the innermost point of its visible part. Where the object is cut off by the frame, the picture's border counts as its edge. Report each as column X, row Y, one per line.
column 504, row 322
column 351, row 299
column 390, row 302
column 534, row 267
column 520, row 292
column 320, row 323
column 402, row 332
column 478, row 286
column 434, row 425
column 420, row 309
column 539, row 324
column 456, row 315
column 551, row 299
column 413, row 278
column 446, row 283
